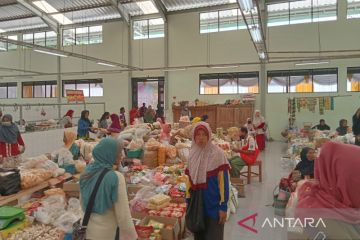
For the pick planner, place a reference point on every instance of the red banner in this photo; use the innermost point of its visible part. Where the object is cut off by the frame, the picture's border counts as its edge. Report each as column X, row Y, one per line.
column 75, row 95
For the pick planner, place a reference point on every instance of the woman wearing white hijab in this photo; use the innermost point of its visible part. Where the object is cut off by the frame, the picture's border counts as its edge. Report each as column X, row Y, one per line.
column 208, row 172
column 259, row 125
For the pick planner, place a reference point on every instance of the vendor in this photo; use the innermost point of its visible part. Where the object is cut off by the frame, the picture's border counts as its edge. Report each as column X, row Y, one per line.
column 306, row 165
column 250, row 127
column 134, row 113
column 260, row 128
column 150, row 114
column 115, row 122
column 69, row 143
column 11, row 143
column 343, row 128
column 185, row 111
column 84, row 125
column 66, row 121
column 208, row 175
column 322, row 126
column 122, row 117
column 111, row 206
column 334, row 196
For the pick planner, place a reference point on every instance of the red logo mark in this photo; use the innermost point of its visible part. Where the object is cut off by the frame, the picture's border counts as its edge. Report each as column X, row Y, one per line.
column 253, row 217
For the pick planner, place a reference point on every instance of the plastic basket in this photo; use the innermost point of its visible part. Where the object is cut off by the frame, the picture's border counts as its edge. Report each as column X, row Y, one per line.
column 134, row 153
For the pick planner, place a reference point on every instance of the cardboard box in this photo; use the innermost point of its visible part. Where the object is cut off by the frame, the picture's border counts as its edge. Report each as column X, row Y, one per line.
column 238, row 183
column 138, row 215
column 166, row 234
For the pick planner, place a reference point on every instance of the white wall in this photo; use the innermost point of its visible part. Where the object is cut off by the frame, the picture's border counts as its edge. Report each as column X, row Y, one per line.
column 186, row 46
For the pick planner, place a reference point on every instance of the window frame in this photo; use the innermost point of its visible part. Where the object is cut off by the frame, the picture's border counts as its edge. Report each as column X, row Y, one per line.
column 6, row 44
column 7, row 85
column 75, row 37
column 238, row 75
column 82, row 81
column 38, row 83
column 147, row 36
column 312, row 73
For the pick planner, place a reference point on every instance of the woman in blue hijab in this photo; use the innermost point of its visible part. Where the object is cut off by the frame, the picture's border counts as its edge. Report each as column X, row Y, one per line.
column 111, row 207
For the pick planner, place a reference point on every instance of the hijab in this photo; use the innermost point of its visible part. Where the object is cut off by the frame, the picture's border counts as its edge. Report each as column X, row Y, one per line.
column 69, row 113
column 105, row 154
column 258, row 120
column 69, row 139
column 305, row 166
column 10, row 132
column 205, row 161
column 335, row 193
column 341, row 129
column 115, row 125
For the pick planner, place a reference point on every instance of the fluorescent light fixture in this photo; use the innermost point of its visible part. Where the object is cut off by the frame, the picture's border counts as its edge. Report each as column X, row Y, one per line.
column 106, row 64
column 225, row 66
column 60, row 18
column 262, row 55
column 45, row 6
column 2, row 31
column 246, row 5
column 256, row 34
column 50, row 53
column 311, row 63
column 147, row 7
column 174, row 69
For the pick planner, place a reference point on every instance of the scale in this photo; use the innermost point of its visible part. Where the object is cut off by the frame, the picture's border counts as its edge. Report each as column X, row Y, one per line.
column 10, row 216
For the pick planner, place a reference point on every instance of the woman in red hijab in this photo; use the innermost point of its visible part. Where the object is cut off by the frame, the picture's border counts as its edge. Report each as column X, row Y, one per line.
column 134, row 113
column 334, row 196
column 66, row 121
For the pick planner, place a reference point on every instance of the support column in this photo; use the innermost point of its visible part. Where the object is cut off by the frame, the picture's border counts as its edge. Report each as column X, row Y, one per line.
column 59, row 83
column 130, row 63
column 166, row 64
column 263, row 89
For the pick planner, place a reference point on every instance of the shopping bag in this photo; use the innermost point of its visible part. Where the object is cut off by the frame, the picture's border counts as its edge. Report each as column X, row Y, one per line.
column 195, row 219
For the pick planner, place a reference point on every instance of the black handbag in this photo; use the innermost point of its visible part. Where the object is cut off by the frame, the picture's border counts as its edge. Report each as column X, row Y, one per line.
column 79, row 229
column 195, row 217
column 9, row 181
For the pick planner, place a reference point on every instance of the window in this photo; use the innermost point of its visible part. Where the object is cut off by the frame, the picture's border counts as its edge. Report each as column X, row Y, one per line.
column 303, row 81
column 46, row 39
column 220, row 21
column 353, row 9
column 40, row 38
column 8, row 90
column 304, row 11
column 229, row 83
column 82, row 35
column 39, row 89
column 90, row 87
column 51, row 39
column 149, row 28
column 353, row 79
column 8, row 46
column 28, row 37
column 149, row 90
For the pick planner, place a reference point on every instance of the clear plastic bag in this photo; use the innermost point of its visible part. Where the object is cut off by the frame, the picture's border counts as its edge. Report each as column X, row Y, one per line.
column 66, row 221
column 138, row 204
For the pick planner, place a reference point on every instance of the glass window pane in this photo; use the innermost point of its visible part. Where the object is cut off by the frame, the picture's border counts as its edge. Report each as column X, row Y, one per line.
column 140, row 29
column 95, row 34
column 69, row 37
column 84, row 87
column 277, row 84
column 39, row 38
column 156, row 28
column 228, row 20
column 3, row 46
column 278, row 14
column 3, row 92
column 51, row 39
column 12, row 92
column 209, row 86
column 82, row 35
column 27, row 91
column 241, row 22
column 324, row 10
column 300, row 12
column 325, row 83
column 248, row 85
column 39, row 91
column 48, row 91
column 68, row 86
column 353, row 9
column 301, row 84
column 353, row 82
column 209, row 22
column 12, row 46
column 96, row 90
column 228, row 85
column 29, row 38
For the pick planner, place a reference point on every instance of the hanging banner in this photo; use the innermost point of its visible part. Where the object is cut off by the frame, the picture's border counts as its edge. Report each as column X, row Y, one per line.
column 75, row 96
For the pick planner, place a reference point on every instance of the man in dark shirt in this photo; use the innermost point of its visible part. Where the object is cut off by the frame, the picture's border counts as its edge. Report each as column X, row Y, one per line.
column 322, row 126
column 142, row 110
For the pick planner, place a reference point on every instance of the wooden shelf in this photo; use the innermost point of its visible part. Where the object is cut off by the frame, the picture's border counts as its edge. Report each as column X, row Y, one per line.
column 50, row 183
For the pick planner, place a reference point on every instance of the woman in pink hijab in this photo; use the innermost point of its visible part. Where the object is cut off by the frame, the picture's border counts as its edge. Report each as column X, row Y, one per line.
column 115, row 125
column 208, row 172
column 334, row 196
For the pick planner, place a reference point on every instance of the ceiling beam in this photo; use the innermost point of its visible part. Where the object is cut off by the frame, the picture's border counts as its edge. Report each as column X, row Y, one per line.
column 123, row 13
column 52, row 23
column 161, row 8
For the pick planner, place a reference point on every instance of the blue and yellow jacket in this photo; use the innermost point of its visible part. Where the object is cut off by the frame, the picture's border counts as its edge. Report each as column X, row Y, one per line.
column 215, row 191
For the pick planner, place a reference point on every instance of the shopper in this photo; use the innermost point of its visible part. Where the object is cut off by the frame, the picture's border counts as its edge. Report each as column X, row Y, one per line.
column 122, row 117
column 259, row 125
column 208, row 172
column 334, row 196
column 111, row 207
column 11, row 143
column 142, row 110
column 115, row 123
column 69, row 143
column 134, row 113
column 160, row 112
column 356, row 127
column 343, row 128
column 306, row 165
column 250, row 127
column 103, row 122
column 322, row 126
column 84, row 125
column 66, row 121
column 150, row 115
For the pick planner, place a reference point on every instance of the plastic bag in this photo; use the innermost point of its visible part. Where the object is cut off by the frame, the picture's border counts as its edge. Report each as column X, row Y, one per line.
column 136, row 144
column 138, row 204
column 65, row 222
column 80, row 166
column 30, row 163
